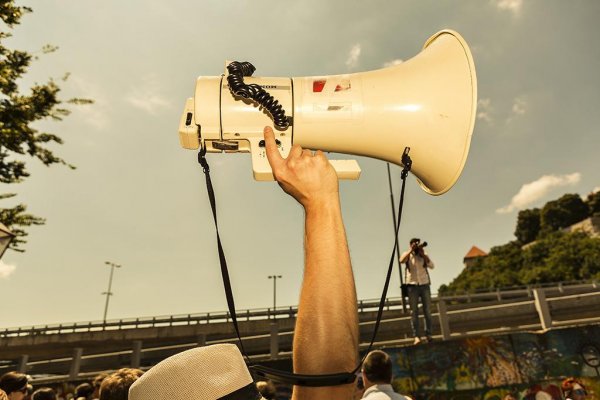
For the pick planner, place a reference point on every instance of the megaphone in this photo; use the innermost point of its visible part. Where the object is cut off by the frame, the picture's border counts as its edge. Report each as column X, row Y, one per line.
column 427, row 103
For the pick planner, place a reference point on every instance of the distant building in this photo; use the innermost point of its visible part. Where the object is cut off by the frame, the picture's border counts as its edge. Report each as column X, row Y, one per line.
column 472, row 256
column 589, row 226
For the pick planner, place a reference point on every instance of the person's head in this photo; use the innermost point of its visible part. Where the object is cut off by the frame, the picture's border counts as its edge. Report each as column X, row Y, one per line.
column 14, row 384
column 266, row 389
column 96, row 384
column 377, row 369
column 44, row 393
column 84, row 390
column 573, row 389
column 414, row 242
column 116, row 385
column 203, row 373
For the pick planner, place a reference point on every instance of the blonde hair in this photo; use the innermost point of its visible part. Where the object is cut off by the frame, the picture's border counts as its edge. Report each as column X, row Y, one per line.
column 116, row 385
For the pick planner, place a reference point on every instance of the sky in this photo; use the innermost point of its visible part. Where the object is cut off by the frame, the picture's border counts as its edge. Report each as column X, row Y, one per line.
column 139, row 200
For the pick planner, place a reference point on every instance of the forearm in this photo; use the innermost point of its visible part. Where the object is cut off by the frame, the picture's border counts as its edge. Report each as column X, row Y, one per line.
column 428, row 262
column 326, row 335
column 404, row 257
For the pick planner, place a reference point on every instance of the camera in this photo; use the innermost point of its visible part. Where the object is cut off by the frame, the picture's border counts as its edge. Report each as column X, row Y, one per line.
column 419, row 247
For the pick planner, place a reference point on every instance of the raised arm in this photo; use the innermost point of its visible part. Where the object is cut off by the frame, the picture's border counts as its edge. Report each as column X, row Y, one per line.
column 428, row 261
column 326, row 334
column 404, row 257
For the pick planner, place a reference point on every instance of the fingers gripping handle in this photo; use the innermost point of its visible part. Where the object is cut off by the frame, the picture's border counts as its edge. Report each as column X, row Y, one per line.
column 345, row 169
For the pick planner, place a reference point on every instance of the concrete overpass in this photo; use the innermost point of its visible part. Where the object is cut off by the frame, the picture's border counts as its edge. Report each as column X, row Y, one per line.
column 79, row 350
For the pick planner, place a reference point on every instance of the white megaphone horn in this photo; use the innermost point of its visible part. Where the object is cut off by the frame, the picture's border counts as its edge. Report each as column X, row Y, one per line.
column 427, row 103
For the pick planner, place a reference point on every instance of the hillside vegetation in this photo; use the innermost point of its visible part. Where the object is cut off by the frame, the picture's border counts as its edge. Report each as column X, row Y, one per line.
column 542, row 251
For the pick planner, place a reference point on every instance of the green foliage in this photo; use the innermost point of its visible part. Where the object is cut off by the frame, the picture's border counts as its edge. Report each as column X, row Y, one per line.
column 574, row 256
column 593, row 201
column 556, row 257
column 18, row 113
column 499, row 269
column 542, row 252
column 11, row 14
column 566, row 211
column 16, row 217
column 528, row 225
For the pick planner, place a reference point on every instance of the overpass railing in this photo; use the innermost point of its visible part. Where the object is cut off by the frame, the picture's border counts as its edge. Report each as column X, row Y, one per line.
column 364, row 306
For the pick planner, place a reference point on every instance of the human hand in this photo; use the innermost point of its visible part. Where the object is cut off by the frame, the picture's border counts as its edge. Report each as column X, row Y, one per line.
column 307, row 177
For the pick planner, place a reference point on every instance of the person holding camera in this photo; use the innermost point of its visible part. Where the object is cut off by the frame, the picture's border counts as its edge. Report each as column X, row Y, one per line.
column 418, row 286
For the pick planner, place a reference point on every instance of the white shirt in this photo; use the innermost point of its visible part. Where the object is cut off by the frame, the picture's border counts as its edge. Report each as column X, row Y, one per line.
column 383, row 392
column 416, row 274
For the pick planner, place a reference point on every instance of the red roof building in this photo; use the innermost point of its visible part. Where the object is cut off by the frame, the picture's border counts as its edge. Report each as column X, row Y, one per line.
column 472, row 256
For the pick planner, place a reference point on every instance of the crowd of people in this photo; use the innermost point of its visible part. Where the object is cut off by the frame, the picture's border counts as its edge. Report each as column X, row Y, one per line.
column 114, row 386
column 373, row 383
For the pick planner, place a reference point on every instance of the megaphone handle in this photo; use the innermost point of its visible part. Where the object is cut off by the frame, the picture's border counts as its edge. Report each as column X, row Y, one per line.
column 345, row 169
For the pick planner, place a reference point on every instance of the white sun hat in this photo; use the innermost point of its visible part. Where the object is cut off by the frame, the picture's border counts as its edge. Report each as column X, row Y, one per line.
column 216, row 372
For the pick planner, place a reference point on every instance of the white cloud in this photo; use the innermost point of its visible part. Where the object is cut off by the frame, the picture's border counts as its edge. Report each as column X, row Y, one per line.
column 513, row 6
column 487, row 112
column 392, row 63
column 536, row 190
column 147, row 96
column 519, row 106
column 6, row 270
column 353, row 56
column 484, row 110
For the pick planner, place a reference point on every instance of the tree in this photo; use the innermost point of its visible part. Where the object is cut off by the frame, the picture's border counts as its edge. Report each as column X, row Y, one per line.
column 574, row 256
column 18, row 112
column 554, row 257
column 565, row 211
column 499, row 269
column 593, row 202
column 528, row 225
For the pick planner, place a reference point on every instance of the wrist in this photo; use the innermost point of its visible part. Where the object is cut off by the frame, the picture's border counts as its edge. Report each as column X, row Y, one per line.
column 321, row 203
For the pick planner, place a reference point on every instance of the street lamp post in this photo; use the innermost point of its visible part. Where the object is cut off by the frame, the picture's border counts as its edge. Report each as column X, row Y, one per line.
column 109, row 293
column 274, row 277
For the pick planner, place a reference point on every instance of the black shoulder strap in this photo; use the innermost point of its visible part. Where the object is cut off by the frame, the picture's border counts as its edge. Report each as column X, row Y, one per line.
column 340, row 378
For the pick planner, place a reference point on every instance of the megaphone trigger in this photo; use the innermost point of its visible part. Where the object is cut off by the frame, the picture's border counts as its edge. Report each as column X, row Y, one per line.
column 262, row 143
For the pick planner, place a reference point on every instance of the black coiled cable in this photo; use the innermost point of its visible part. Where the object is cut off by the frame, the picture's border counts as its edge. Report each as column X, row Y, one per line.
column 237, row 70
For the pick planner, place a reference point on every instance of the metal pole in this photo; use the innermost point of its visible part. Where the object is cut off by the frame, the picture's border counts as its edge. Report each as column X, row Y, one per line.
column 274, row 277
column 395, row 230
column 109, row 293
